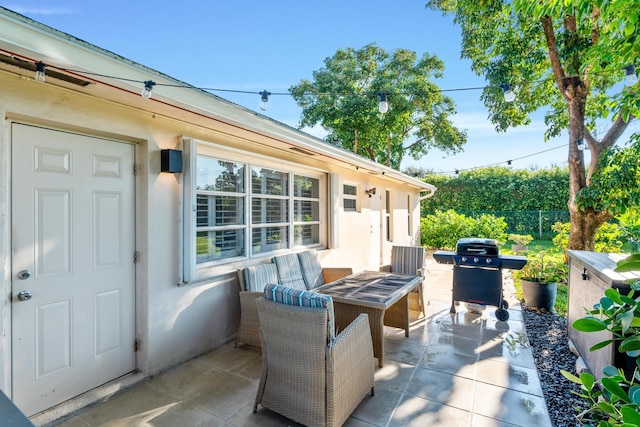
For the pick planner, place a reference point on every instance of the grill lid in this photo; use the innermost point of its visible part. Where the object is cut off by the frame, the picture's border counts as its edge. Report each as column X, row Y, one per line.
column 476, row 246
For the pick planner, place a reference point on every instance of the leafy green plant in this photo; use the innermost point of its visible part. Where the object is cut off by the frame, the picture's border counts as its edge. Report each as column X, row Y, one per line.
column 609, row 237
column 520, row 239
column 442, row 229
column 544, row 267
column 614, row 400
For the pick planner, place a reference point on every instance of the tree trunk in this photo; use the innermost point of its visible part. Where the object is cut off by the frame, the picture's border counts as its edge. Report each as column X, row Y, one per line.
column 355, row 141
column 584, row 224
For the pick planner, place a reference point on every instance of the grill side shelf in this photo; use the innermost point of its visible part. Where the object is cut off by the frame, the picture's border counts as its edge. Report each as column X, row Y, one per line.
column 444, row 257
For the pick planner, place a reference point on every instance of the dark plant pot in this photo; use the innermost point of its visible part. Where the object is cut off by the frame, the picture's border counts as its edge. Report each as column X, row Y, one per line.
column 539, row 295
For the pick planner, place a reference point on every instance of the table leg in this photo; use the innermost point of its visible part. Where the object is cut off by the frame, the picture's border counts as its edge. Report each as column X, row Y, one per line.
column 346, row 313
column 397, row 315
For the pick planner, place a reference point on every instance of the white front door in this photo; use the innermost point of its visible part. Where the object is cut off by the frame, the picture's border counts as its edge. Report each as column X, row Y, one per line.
column 73, row 273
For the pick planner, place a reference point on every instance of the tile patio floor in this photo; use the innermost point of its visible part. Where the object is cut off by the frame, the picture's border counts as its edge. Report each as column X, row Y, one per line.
column 454, row 370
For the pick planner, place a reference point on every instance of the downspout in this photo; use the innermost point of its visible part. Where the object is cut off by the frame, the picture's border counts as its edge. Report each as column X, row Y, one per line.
column 430, row 193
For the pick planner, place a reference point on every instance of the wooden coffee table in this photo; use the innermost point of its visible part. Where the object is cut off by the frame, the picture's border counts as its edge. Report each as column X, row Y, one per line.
column 383, row 296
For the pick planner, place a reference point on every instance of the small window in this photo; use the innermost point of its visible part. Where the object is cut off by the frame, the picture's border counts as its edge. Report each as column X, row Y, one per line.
column 350, row 197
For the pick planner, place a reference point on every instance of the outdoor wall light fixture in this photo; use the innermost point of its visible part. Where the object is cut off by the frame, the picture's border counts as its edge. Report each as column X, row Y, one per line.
column 148, row 88
column 370, row 192
column 171, row 161
column 632, row 77
column 509, row 95
column 40, row 74
column 264, row 100
column 383, row 107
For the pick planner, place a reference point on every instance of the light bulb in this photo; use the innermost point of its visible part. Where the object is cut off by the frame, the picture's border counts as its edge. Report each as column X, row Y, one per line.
column 509, row 95
column 383, row 107
column 40, row 73
column 632, row 77
column 264, row 100
column 148, row 88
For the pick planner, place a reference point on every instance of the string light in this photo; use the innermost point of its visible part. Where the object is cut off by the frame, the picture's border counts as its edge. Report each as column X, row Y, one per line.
column 509, row 96
column 383, row 107
column 631, row 76
column 148, row 88
column 264, row 100
column 40, row 71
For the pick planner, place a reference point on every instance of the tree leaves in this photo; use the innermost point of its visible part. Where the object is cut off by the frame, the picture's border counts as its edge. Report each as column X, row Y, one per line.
column 589, row 324
column 344, row 95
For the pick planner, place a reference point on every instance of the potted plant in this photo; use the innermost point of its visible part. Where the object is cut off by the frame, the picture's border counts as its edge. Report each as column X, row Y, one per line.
column 539, row 281
column 520, row 241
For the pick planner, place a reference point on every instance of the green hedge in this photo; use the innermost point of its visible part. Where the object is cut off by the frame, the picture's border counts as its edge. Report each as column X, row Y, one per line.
column 499, row 189
column 529, row 201
column 442, row 229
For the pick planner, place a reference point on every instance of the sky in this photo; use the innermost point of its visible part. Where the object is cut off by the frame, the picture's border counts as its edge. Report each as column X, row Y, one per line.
column 256, row 45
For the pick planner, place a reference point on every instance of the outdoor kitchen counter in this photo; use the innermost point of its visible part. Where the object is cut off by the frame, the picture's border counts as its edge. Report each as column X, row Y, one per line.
column 590, row 275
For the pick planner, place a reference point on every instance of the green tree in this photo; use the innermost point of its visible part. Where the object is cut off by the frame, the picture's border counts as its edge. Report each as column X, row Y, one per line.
column 615, row 185
column 565, row 56
column 417, row 172
column 344, row 96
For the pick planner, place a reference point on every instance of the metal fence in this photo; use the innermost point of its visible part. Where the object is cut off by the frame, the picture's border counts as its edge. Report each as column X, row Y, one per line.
column 536, row 223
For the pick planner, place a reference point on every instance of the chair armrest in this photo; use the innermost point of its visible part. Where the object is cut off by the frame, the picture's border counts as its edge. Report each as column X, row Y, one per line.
column 249, row 328
column 330, row 274
column 422, row 271
column 350, row 368
column 386, row 268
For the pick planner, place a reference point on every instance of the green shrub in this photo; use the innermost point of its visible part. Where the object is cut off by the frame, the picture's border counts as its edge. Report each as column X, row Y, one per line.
column 630, row 229
column 520, row 239
column 609, row 237
column 442, row 229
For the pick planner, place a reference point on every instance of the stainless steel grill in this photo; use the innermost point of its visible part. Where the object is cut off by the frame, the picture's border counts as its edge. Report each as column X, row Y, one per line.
column 477, row 273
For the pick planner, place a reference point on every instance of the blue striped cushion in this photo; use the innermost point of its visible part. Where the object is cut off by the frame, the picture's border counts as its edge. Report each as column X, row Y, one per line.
column 311, row 269
column 407, row 259
column 258, row 276
column 303, row 298
column 290, row 271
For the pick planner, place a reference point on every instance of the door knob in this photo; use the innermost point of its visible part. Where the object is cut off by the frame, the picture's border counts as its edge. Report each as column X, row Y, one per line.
column 24, row 295
column 24, row 274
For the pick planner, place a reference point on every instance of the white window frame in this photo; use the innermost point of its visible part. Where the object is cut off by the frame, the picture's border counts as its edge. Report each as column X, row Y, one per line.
column 354, row 197
column 388, row 216
column 190, row 269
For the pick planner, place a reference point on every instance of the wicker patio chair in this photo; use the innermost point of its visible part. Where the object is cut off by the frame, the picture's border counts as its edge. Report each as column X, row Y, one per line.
column 301, row 270
column 253, row 280
column 309, row 374
column 410, row 260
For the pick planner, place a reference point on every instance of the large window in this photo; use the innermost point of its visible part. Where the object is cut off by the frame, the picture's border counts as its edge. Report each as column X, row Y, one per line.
column 247, row 210
column 220, row 210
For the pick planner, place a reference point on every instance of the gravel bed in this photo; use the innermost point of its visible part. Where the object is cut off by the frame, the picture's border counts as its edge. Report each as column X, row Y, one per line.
column 550, row 345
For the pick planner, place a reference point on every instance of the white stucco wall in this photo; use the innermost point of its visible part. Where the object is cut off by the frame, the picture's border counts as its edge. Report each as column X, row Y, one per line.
column 174, row 323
